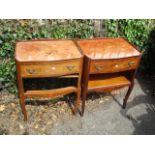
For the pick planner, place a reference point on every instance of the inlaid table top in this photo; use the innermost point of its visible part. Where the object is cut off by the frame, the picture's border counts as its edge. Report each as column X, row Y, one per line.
column 46, row 50
column 107, row 48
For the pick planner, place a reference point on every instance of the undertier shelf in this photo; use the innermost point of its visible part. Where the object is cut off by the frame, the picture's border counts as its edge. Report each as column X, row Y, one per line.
column 50, row 93
column 107, row 83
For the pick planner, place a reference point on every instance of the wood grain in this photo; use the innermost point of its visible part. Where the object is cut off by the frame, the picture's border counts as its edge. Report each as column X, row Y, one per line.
column 105, row 84
column 109, row 64
column 48, row 58
column 50, row 93
column 114, row 65
column 55, row 68
column 107, row 48
column 46, row 50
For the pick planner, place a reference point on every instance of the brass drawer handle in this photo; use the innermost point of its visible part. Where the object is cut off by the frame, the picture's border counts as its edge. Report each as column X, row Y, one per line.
column 130, row 63
column 31, row 71
column 98, row 67
column 70, row 68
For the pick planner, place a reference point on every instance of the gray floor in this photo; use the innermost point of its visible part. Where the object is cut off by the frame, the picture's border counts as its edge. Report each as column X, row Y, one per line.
column 103, row 114
column 107, row 116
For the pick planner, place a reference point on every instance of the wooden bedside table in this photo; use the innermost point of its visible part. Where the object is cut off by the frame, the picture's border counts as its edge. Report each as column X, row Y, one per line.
column 48, row 58
column 108, row 64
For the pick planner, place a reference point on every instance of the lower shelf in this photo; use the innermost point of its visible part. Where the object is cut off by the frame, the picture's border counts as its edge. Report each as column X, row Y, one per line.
column 107, row 84
column 50, row 93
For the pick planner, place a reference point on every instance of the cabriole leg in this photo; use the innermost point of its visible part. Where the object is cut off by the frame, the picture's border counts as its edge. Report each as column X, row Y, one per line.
column 127, row 95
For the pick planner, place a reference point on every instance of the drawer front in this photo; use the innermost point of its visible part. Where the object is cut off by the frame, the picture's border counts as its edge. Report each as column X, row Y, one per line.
column 116, row 65
column 51, row 68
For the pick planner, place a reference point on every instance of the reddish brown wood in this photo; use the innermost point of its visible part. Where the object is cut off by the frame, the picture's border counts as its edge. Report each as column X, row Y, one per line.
column 46, row 50
column 21, row 91
column 127, row 95
column 48, row 58
column 84, row 84
column 114, row 65
column 55, row 68
column 107, row 83
column 50, row 93
column 107, row 48
column 115, row 59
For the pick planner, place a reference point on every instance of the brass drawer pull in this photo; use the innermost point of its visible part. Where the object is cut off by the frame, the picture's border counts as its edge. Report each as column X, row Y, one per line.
column 116, row 66
column 70, row 68
column 130, row 63
column 98, row 67
column 31, row 71
column 53, row 68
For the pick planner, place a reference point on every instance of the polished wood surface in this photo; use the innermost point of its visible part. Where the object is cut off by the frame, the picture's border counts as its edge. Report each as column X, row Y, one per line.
column 50, row 93
column 107, row 48
column 110, row 82
column 21, row 91
column 53, row 68
column 46, row 50
column 114, row 65
column 109, row 63
column 48, row 58
column 85, row 79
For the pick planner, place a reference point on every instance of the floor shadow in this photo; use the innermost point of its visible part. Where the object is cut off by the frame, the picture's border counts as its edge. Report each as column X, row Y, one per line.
column 143, row 123
column 116, row 100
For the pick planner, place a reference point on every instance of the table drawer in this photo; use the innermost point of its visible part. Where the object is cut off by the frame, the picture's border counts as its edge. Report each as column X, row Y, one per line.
column 51, row 68
column 114, row 65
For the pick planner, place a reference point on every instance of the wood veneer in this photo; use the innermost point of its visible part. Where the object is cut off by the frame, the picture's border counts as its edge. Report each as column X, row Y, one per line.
column 48, row 58
column 103, row 58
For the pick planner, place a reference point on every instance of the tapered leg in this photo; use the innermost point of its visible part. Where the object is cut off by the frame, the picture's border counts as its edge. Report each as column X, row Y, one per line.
column 85, row 79
column 127, row 95
column 84, row 95
column 22, row 104
column 77, row 103
column 21, row 92
column 78, row 97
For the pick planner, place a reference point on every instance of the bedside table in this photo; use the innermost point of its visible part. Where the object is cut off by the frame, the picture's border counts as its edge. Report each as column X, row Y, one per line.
column 108, row 64
column 48, row 58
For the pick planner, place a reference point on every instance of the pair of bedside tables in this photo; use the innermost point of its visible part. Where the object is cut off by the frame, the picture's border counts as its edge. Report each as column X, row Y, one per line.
column 101, row 64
